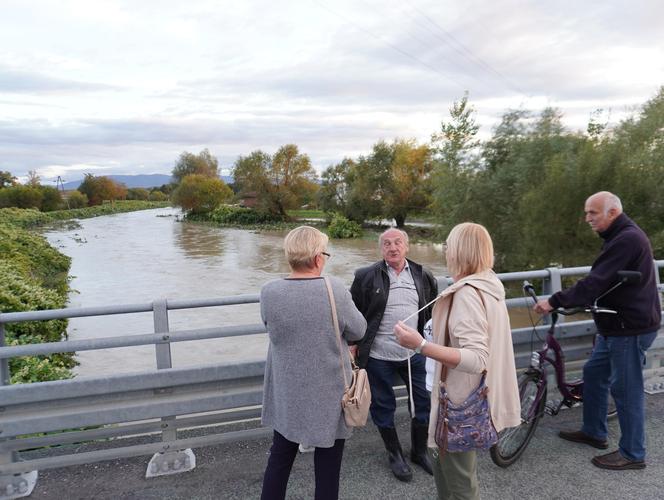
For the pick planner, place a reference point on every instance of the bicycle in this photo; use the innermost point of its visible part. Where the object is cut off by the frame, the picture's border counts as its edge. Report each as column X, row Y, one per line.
column 533, row 382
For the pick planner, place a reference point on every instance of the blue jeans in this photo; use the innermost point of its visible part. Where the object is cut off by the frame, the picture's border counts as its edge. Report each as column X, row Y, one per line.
column 616, row 364
column 381, row 378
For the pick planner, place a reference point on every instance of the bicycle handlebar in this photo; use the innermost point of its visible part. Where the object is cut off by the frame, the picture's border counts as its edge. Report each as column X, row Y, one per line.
column 530, row 290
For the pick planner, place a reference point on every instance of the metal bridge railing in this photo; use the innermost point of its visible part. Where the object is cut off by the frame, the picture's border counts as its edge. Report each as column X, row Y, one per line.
column 166, row 400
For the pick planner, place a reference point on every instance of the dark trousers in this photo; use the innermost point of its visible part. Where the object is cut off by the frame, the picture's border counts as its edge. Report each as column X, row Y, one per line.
column 327, row 464
column 381, row 378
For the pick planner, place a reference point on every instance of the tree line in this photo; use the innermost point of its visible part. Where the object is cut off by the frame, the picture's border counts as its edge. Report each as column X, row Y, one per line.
column 527, row 182
column 93, row 190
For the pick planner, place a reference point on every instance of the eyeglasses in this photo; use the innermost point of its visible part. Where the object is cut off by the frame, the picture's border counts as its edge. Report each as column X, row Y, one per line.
column 326, row 254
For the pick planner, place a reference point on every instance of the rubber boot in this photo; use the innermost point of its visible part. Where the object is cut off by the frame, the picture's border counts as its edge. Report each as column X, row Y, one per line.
column 398, row 464
column 418, row 450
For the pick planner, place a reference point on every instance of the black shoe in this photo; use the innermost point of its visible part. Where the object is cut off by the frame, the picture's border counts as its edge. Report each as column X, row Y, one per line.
column 615, row 461
column 419, row 432
column 580, row 437
column 399, row 467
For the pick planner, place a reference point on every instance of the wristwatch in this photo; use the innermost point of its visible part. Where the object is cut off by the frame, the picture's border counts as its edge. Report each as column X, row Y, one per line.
column 419, row 348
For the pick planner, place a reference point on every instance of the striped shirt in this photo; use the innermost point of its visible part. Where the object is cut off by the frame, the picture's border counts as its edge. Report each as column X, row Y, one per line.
column 402, row 301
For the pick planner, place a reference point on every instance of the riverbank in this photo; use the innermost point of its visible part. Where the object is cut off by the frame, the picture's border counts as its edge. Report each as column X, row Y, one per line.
column 29, row 218
column 35, row 276
column 245, row 218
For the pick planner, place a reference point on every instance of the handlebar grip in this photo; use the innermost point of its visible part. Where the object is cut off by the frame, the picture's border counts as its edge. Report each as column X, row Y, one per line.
column 530, row 290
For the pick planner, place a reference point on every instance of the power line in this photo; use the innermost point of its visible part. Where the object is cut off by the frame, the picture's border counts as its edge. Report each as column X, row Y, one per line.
column 465, row 51
column 391, row 45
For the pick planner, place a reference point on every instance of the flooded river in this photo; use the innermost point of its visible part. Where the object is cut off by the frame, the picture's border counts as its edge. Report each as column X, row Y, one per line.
column 141, row 256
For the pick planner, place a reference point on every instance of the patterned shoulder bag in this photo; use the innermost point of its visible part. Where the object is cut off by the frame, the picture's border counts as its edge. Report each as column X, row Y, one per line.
column 467, row 426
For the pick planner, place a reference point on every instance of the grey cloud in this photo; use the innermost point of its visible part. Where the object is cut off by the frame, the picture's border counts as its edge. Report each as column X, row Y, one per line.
column 17, row 81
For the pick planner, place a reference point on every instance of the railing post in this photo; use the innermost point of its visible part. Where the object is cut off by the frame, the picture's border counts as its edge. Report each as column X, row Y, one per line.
column 12, row 485
column 168, row 462
column 4, row 362
column 551, row 285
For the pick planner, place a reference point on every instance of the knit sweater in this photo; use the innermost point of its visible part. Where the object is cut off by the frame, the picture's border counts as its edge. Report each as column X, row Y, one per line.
column 303, row 378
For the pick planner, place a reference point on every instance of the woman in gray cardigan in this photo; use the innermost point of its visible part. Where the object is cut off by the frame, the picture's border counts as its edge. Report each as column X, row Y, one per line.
column 303, row 379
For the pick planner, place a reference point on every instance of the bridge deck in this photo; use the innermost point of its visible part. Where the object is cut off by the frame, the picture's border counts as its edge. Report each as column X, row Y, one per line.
column 550, row 468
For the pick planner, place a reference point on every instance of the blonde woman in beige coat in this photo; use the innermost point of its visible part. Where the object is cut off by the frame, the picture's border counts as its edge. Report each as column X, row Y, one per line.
column 480, row 338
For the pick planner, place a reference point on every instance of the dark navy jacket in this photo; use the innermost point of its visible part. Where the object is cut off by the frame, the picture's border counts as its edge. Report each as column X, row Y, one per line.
column 370, row 289
column 626, row 247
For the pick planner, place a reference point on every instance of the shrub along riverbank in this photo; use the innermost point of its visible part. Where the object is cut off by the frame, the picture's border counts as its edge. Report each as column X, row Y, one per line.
column 34, row 275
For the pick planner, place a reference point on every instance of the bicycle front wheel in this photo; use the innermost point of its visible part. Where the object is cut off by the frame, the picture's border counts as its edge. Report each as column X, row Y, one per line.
column 513, row 441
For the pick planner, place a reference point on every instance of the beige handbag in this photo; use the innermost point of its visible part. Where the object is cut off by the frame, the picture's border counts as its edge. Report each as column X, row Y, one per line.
column 357, row 396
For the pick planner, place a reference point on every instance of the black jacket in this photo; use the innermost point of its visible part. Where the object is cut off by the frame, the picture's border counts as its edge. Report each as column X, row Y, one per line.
column 626, row 247
column 370, row 289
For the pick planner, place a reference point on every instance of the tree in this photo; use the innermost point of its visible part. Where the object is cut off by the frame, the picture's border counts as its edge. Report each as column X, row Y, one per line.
column 7, row 179
column 76, row 199
column 157, row 195
column 201, row 164
column 280, row 182
column 391, row 182
column 21, row 196
column 334, row 188
column 199, row 193
column 409, row 189
column 33, row 179
column 137, row 194
column 51, row 199
column 456, row 164
column 101, row 188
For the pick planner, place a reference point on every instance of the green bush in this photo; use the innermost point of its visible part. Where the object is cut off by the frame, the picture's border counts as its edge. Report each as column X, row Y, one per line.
column 239, row 216
column 24, row 218
column 138, row 194
column 21, row 197
column 158, row 196
column 33, row 276
column 51, row 199
column 340, row 227
column 77, row 199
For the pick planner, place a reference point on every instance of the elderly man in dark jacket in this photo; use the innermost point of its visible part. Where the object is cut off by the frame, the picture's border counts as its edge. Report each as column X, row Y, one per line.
column 386, row 292
column 618, row 357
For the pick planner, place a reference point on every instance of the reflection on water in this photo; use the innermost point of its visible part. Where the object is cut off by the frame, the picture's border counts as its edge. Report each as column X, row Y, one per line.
column 141, row 256
column 198, row 241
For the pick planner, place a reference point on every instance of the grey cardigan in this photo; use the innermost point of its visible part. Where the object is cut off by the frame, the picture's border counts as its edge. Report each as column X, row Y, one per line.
column 303, row 379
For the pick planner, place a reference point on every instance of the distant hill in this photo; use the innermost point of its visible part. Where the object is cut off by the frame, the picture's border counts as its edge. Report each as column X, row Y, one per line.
column 142, row 180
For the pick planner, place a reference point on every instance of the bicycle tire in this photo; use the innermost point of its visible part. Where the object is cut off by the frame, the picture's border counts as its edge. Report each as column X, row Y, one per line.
column 513, row 441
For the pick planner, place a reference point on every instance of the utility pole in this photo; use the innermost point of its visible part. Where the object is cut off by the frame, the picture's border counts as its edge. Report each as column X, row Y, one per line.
column 60, row 185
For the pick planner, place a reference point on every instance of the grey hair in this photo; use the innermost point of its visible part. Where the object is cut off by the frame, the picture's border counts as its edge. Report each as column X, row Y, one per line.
column 610, row 201
column 404, row 234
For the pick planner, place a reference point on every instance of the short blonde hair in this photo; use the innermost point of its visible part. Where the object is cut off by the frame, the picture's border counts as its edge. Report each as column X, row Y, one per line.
column 302, row 245
column 469, row 249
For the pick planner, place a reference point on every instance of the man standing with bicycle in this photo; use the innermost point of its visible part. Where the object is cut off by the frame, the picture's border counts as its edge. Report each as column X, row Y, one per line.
column 617, row 360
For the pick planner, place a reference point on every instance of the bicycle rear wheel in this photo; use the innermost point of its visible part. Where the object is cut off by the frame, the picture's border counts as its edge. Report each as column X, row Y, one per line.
column 514, row 440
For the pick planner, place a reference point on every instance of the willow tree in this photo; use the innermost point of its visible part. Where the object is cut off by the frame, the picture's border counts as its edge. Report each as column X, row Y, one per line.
column 279, row 182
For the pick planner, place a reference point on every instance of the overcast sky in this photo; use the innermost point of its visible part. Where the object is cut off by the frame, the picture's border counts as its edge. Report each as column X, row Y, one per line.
column 123, row 87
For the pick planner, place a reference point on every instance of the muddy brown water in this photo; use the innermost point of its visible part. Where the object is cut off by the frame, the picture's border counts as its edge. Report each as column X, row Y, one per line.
column 141, row 256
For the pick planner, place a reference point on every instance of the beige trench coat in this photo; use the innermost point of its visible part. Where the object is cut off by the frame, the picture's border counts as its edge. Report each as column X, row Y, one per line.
column 480, row 329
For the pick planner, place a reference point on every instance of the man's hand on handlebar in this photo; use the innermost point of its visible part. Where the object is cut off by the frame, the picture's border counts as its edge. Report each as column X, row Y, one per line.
column 543, row 307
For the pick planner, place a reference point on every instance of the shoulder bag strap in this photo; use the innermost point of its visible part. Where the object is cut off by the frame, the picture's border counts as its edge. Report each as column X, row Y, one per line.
column 335, row 321
column 446, row 343
column 443, row 373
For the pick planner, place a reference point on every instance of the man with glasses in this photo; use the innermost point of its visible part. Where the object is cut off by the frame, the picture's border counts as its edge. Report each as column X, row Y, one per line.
column 386, row 292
